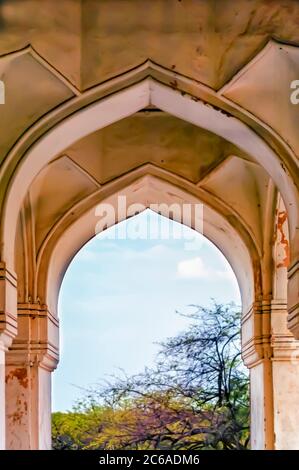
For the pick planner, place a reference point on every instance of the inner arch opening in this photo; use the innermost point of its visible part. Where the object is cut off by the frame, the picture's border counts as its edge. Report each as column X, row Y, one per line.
column 122, row 294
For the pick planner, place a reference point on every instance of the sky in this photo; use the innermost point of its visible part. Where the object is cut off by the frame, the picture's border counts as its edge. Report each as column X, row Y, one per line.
column 123, row 293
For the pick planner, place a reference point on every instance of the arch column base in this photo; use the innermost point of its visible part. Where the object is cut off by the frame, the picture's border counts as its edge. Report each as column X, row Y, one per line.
column 29, row 363
column 285, row 377
column 8, row 330
column 272, row 355
column 5, row 342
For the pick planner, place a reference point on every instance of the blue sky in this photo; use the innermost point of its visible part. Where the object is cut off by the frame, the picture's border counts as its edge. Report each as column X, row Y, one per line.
column 119, row 297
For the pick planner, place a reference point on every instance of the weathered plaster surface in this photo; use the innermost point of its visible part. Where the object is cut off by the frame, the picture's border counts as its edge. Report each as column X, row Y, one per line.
column 186, row 99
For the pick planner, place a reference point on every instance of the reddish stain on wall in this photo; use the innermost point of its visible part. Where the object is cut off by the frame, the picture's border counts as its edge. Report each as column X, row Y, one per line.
column 281, row 219
column 16, row 417
column 20, row 374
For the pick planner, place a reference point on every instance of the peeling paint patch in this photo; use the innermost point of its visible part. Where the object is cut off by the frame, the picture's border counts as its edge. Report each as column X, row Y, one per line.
column 20, row 374
column 257, row 276
column 281, row 220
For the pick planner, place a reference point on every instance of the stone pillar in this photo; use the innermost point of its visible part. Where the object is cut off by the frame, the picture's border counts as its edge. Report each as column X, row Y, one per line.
column 293, row 298
column 29, row 363
column 256, row 353
column 285, row 372
column 272, row 355
column 8, row 329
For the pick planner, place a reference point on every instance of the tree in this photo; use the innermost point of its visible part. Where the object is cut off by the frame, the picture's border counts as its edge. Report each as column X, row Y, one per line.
column 196, row 397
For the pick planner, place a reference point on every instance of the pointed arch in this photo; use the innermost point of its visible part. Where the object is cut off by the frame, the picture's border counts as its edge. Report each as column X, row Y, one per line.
column 145, row 190
column 122, row 104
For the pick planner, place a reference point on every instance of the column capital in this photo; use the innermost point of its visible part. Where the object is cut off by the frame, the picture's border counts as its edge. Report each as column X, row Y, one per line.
column 285, row 346
column 37, row 341
column 256, row 333
column 8, row 306
column 265, row 334
column 293, row 299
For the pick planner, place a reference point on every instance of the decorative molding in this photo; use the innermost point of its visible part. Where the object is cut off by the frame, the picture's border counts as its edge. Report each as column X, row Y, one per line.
column 37, row 339
column 8, row 305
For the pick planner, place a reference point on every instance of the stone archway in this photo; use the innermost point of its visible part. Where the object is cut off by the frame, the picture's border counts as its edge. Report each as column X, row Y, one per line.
column 121, row 104
column 29, row 325
column 144, row 189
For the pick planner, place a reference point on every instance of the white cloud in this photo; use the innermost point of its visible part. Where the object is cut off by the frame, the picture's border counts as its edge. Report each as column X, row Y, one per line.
column 191, row 268
column 195, row 268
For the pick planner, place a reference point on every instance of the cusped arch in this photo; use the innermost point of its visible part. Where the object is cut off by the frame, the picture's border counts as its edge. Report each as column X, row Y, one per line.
column 146, row 190
column 122, row 104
